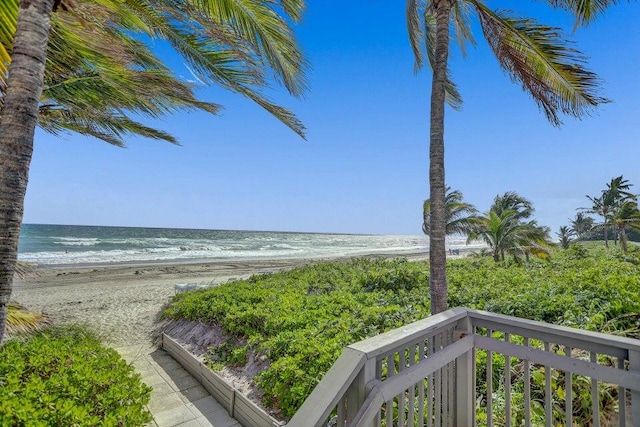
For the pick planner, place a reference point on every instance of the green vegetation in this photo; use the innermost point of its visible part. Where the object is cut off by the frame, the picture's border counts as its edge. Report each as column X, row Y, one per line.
column 300, row 320
column 64, row 377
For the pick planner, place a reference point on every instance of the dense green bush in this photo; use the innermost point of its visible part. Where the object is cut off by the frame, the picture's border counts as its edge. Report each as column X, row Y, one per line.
column 301, row 320
column 64, row 377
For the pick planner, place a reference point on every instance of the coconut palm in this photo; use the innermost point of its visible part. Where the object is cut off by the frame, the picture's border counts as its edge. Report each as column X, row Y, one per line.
column 624, row 217
column 565, row 234
column 537, row 56
column 503, row 228
column 461, row 216
column 237, row 45
column 497, row 231
column 600, row 207
column 581, row 225
column 534, row 240
column 610, row 200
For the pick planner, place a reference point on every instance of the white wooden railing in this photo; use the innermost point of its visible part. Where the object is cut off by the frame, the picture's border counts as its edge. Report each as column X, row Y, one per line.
column 433, row 373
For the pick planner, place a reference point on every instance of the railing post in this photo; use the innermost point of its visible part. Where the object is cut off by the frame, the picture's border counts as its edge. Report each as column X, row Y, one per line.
column 358, row 391
column 465, row 378
column 634, row 365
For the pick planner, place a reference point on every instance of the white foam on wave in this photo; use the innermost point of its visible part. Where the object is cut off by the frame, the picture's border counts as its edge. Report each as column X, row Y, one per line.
column 296, row 246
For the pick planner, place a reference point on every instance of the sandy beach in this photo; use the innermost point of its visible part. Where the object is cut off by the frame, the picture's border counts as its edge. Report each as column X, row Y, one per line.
column 123, row 302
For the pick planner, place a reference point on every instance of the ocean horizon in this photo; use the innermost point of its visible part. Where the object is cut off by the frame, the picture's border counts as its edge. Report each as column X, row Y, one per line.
column 50, row 244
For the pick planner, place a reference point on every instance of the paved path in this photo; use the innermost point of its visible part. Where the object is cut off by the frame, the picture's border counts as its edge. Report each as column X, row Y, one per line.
column 177, row 398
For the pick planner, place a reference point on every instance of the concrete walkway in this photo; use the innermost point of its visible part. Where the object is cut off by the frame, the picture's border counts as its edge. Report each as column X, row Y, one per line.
column 177, row 398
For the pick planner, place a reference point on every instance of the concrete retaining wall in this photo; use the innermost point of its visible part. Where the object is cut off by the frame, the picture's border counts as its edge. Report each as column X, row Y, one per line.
column 239, row 407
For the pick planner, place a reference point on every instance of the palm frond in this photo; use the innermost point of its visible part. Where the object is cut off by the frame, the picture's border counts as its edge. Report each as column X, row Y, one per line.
column 99, row 69
column 461, row 217
column 452, row 95
column 270, row 35
column 585, row 11
column 416, row 33
column 22, row 321
column 539, row 58
column 218, row 54
column 111, row 128
column 462, row 26
column 422, row 38
column 8, row 21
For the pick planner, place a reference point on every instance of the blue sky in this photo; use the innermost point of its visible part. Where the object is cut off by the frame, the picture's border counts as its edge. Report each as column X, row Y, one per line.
column 364, row 168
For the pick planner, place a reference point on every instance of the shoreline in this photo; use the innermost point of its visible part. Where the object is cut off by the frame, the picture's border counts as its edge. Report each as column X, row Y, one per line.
column 408, row 253
column 122, row 302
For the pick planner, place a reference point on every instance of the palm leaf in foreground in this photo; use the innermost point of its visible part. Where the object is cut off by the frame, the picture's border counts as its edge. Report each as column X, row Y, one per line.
column 539, row 58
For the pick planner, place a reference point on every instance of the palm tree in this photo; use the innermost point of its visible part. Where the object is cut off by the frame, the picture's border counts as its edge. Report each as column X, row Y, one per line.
column 581, row 225
column 499, row 231
column 617, row 190
column 504, row 230
column 235, row 45
column 624, row 217
column 610, row 200
column 600, row 206
column 17, row 127
column 617, row 193
column 534, row 54
column 565, row 234
column 534, row 240
column 461, row 216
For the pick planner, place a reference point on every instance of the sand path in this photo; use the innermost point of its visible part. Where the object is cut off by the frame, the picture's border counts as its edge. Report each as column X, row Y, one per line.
column 123, row 303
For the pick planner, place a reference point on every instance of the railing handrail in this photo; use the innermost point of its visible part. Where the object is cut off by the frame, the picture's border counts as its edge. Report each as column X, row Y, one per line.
column 587, row 337
column 386, row 342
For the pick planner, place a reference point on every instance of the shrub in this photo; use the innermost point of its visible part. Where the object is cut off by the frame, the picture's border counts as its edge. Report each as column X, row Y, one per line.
column 302, row 319
column 64, row 377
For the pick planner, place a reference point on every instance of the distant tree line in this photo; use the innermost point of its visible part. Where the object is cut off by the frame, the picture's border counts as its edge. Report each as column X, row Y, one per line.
column 617, row 216
column 508, row 230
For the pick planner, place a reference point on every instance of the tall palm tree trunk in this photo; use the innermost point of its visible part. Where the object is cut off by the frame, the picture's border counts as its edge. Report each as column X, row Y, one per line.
column 623, row 239
column 437, row 254
column 17, row 127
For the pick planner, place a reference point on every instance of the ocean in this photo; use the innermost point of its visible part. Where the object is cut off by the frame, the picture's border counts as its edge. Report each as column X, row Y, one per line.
column 77, row 245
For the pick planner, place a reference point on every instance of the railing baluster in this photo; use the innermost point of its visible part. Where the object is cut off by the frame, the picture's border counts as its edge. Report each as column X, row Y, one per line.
column 547, row 390
column 342, row 413
column 438, row 384
column 527, row 389
column 391, row 367
column 507, row 385
column 595, row 396
column 634, row 365
column 412, row 390
column 622, row 402
column 421, row 386
column 489, row 383
column 568, row 398
column 450, row 388
column 430, row 386
column 402, row 362
column 444, row 372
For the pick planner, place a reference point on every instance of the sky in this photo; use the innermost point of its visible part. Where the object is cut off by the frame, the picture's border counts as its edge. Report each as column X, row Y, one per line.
column 364, row 166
